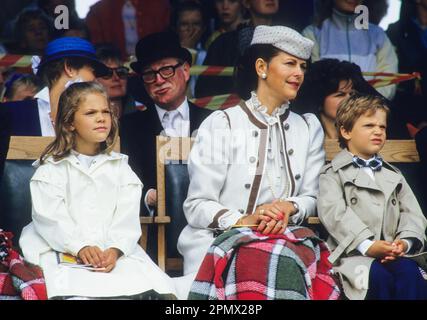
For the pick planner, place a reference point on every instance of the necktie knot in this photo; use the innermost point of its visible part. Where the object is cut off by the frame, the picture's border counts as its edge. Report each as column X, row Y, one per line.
column 375, row 164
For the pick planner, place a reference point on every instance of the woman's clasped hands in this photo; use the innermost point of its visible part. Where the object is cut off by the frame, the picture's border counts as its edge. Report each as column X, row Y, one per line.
column 271, row 218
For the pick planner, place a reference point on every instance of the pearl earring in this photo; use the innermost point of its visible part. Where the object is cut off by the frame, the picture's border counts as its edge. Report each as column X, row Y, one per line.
column 264, row 75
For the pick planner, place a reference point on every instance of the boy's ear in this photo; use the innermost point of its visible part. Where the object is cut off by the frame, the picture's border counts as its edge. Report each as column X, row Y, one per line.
column 344, row 133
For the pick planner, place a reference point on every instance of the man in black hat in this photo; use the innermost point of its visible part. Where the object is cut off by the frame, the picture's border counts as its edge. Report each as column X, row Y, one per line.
column 164, row 67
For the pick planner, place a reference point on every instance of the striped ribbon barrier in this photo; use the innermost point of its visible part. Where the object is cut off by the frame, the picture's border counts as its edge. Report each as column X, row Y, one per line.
column 24, row 61
column 376, row 79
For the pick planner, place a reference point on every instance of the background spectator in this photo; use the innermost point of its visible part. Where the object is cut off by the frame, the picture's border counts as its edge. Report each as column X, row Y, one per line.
column 33, row 30
column 189, row 22
column 228, row 47
column 123, row 22
column 229, row 14
column 327, row 83
column 116, row 81
column 409, row 36
column 21, row 87
column 336, row 36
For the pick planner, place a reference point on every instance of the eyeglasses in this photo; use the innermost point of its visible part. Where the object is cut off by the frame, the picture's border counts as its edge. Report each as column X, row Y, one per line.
column 165, row 72
column 121, row 72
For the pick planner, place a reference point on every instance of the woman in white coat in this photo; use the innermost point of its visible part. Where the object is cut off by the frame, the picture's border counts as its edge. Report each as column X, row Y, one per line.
column 256, row 163
column 85, row 202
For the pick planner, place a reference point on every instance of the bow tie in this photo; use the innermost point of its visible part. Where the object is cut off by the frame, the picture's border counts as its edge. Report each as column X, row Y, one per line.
column 375, row 164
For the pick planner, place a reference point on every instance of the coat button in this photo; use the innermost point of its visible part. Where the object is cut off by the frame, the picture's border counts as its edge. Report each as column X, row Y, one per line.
column 286, row 126
column 255, row 133
column 247, row 186
column 297, row 176
column 291, row 152
column 353, row 200
column 252, row 159
column 393, row 202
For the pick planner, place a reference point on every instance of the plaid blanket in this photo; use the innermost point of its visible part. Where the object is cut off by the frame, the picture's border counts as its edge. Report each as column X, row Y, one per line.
column 243, row 264
column 18, row 279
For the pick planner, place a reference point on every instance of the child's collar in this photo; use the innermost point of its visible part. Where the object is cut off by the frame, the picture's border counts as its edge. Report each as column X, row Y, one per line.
column 73, row 159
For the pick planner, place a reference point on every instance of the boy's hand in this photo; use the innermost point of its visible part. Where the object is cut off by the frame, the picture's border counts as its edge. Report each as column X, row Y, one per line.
column 91, row 255
column 110, row 257
column 400, row 247
column 381, row 249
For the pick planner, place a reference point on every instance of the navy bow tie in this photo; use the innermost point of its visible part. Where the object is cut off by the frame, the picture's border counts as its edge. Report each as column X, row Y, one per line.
column 375, row 164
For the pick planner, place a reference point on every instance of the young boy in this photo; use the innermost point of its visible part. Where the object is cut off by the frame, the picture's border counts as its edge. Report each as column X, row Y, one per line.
column 369, row 210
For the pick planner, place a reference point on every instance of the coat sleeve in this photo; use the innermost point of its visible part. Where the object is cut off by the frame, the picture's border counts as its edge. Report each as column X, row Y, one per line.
column 50, row 214
column 208, row 167
column 125, row 229
column 412, row 223
column 341, row 222
column 307, row 194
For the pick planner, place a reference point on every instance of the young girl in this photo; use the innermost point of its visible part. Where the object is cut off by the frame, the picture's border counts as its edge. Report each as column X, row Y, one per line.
column 86, row 203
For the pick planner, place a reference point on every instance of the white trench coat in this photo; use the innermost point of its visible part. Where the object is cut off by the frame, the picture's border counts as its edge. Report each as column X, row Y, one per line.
column 74, row 206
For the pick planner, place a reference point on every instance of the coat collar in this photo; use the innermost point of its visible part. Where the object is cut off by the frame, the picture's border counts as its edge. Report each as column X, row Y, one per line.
column 257, row 121
column 386, row 180
column 73, row 160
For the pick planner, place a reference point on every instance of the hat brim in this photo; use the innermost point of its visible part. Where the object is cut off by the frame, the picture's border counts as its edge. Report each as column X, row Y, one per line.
column 100, row 69
column 151, row 57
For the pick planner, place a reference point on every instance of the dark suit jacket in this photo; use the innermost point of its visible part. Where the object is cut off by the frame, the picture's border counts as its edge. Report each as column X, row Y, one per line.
column 4, row 136
column 24, row 117
column 138, row 133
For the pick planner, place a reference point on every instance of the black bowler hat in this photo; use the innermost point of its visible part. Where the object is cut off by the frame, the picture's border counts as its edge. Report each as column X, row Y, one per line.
column 158, row 46
column 72, row 47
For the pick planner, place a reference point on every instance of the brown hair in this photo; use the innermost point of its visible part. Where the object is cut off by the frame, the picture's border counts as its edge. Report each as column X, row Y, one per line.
column 68, row 105
column 353, row 108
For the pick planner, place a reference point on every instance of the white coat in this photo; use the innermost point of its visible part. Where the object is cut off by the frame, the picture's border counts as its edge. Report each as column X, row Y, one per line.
column 223, row 189
column 74, row 206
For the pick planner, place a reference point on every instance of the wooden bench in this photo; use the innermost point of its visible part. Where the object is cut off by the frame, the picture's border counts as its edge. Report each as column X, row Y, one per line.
column 175, row 151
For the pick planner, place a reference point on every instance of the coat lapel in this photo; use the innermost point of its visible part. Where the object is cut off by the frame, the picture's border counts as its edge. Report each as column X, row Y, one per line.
column 388, row 180
column 154, row 122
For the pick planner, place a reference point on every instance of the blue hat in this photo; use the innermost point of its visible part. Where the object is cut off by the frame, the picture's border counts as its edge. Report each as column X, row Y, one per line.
column 72, row 47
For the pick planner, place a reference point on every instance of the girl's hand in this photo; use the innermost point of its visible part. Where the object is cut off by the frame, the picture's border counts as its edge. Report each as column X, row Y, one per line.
column 91, row 255
column 111, row 256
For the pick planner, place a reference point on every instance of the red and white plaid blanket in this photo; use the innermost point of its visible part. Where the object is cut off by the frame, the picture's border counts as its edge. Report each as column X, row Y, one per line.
column 18, row 279
column 243, row 264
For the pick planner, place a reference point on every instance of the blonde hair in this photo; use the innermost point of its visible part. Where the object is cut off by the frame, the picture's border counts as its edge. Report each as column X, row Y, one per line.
column 69, row 102
column 353, row 108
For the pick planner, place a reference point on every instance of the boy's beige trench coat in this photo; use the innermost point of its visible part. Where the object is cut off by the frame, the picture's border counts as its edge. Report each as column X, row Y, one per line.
column 353, row 207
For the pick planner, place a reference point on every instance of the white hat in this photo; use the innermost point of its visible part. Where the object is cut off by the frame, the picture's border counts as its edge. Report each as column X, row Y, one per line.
column 284, row 38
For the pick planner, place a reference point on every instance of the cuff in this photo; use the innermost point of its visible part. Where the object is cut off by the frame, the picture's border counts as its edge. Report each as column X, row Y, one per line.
column 364, row 246
column 297, row 218
column 228, row 219
column 149, row 208
column 409, row 243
